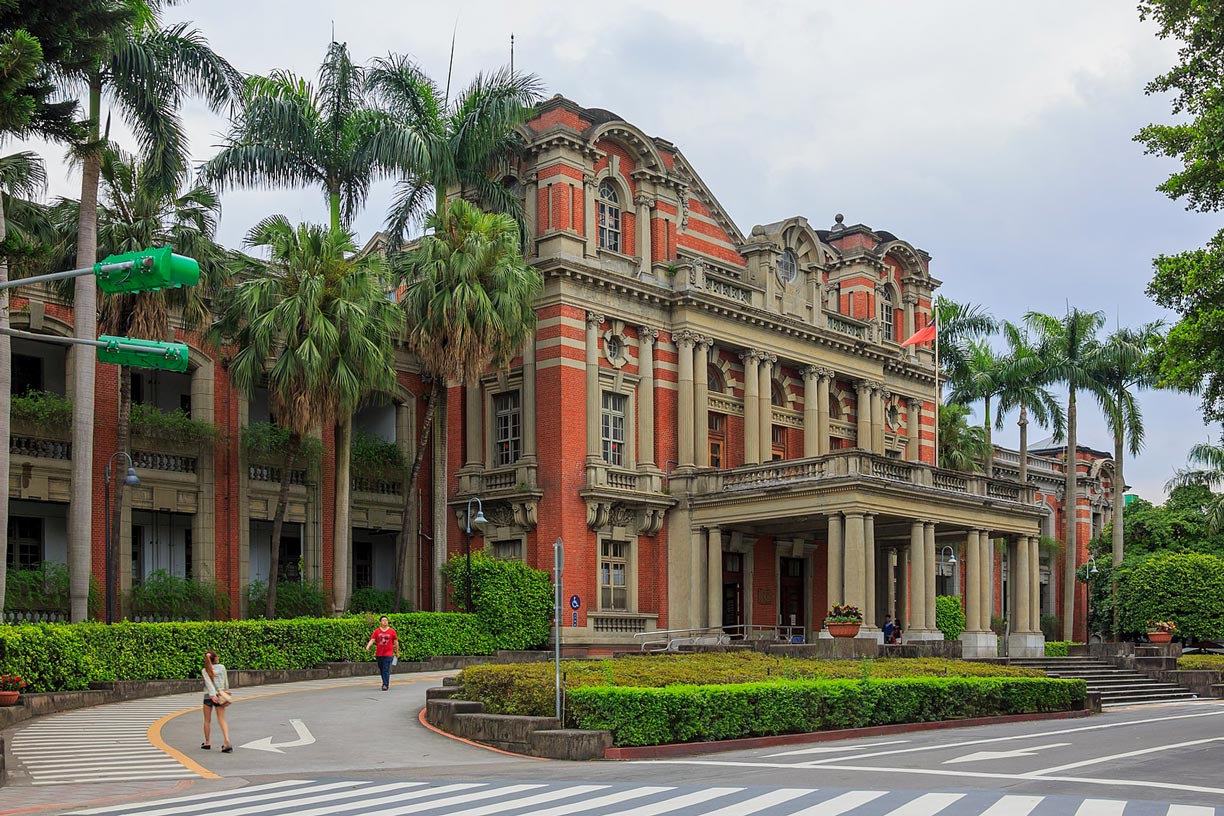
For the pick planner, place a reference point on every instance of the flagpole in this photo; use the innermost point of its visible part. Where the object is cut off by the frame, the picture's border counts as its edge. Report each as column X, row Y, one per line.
column 938, row 390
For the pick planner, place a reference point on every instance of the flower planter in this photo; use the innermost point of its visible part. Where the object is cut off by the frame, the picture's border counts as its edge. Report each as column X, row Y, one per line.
column 1160, row 637
column 844, row 630
column 8, row 698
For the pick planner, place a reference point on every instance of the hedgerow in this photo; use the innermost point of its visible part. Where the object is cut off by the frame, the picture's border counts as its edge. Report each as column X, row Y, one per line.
column 513, row 601
column 1057, row 648
column 1208, row 662
column 55, row 657
column 527, row 688
column 655, row 716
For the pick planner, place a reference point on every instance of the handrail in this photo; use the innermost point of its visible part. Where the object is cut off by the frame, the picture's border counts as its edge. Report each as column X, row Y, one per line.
column 671, row 639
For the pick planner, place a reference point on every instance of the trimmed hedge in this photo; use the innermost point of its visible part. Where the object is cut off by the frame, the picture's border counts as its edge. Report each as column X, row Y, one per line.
column 1184, row 587
column 513, row 601
column 1208, row 662
column 527, row 688
column 1057, row 648
column 657, row 716
column 56, row 657
column 949, row 617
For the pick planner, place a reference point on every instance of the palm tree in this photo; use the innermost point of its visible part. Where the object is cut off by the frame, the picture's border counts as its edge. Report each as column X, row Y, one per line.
column 137, row 212
column 468, row 301
column 320, row 313
column 978, row 375
column 962, row 446
column 959, row 325
column 1072, row 353
column 144, row 71
column 1210, row 473
column 20, row 174
column 1022, row 386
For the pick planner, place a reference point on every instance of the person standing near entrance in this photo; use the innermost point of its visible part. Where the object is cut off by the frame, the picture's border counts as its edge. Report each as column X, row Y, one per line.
column 889, row 628
column 386, row 643
column 216, row 697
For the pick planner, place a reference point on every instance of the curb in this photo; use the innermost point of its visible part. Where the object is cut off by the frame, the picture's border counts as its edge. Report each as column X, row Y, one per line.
column 680, row 749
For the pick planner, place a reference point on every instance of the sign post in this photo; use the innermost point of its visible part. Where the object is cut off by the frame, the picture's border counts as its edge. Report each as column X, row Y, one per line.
column 558, row 564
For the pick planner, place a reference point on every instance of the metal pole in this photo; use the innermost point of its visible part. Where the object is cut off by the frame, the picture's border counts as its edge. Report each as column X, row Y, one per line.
column 73, row 341
column 467, row 549
column 110, row 555
column 97, row 269
column 558, row 564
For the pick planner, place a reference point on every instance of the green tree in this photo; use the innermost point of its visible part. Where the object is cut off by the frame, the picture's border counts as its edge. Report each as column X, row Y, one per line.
column 1208, row 472
column 1022, row 387
column 469, row 305
column 320, row 313
column 962, row 445
column 959, row 325
column 1186, row 588
column 1191, row 283
column 1071, row 351
column 979, row 375
column 143, row 71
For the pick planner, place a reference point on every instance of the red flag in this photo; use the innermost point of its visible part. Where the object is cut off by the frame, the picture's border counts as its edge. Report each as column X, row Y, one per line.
column 923, row 335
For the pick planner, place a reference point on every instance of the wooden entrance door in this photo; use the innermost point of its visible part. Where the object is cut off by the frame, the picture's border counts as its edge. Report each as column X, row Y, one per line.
column 790, row 592
column 733, row 591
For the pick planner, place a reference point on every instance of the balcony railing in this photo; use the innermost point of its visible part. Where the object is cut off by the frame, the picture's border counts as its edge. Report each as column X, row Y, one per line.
column 848, row 325
column 37, row 448
column 164, row 462
column 271, row 473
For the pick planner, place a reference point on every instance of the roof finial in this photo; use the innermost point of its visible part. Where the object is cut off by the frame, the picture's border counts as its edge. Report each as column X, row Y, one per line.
column 839, row 218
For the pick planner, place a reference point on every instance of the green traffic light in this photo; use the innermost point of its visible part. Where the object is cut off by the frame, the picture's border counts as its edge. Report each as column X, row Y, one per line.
column 146, row 270
column 130, row 351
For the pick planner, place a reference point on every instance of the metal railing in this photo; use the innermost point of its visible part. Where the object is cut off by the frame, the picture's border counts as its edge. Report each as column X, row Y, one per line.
column 673, row 640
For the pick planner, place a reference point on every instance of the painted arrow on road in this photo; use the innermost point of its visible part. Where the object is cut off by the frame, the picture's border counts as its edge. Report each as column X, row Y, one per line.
column 265, row 744
column 981, row 756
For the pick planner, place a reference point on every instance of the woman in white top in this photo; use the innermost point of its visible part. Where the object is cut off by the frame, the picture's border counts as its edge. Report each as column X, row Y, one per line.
column 216, row 681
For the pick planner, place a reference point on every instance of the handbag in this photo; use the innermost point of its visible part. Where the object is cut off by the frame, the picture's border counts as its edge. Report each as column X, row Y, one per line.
column 225, row 697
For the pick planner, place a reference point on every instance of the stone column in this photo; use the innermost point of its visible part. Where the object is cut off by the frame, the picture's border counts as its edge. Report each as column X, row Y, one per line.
column 590, row 208
column 684, row 419
column 903, row 593
column 822, row 407
column 928, row 530
column 917, row 581
column 1034, row 579
column 593, row 321
column 834, row 567
column 811, row 411
column 642, row 230
column 1025, row 640
column 714, row 571
column 890, row 585
column 473, row 426
column 701, row 402
column 645, row 396
column 878, row 395
column 986, row 576
column 863, row 414
column 913, row 418
column 855, row 560
column 911, row 303
column 765, row 396
column 869, row 570
column 531, row 215
column 973, row 583
column 1019, row 578
column 528, row 458
column 752, row 408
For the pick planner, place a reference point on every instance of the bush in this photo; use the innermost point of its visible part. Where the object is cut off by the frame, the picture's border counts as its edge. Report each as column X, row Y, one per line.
column 1207, row 662
column 46, row 590
column 370, row 452
column 1057, row 648
column 1186, row 588
column 294, row 599
column 949, row 617
column 369, row 599
column 56, row 657
column 513, row 601
column 49, row 412
column 272, row 440
column 171, row 426
column 655, row 716
column 164, row 595
column 527, row 688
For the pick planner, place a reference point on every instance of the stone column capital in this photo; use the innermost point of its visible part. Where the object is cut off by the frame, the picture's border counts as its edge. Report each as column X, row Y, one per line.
column 647, row 335
column 594, row 320
column 750, row 356
column 885, row 394
column 810, row 372
column 588, row 180
column 910, row 299
column 533, row 177
column 704, row 341
column 863, row 386
column 766, row 358
column 644, row 200
column 685, row 338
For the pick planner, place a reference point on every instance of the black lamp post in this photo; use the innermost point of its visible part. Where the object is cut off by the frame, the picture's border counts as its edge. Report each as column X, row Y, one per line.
column 467, row 544
column 112, row 557
column 1090, row 570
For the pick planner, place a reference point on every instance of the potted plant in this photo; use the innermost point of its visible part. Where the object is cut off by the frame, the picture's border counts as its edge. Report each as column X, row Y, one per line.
column 11, row 686
column 844, row 620
column 1160, row 631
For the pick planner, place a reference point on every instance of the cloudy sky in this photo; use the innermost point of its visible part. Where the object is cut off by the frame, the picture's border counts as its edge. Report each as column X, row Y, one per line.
column 995, row 136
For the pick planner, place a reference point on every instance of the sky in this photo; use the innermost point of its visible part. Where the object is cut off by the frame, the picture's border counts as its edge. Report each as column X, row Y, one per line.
column 997, row 137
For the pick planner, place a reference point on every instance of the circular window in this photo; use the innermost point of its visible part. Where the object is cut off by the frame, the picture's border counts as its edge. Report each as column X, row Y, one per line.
column 788, row 266
column 612, row 346
column 894, row 417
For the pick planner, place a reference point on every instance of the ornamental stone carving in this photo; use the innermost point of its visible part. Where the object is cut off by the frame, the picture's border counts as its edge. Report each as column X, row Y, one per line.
column 644, row 200
column 685, row 338
column 647, row 335
column 594, row 319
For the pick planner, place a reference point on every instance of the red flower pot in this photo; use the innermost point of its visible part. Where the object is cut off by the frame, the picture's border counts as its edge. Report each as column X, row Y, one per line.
column 1160, row 637
column 8, row 698
column 844, row 630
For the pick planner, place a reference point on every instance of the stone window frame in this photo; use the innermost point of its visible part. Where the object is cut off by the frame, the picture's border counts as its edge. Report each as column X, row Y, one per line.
column 631, row 570
column 886, row 311
column 518, row 540
column 616, row 381
column 616, row 333
column 622, row 195
column 495, row 427
column 788, row 266
column 492, row 387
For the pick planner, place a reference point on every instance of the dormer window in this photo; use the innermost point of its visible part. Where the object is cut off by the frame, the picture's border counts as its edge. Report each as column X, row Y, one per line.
column 609, row 217
column 788, row 266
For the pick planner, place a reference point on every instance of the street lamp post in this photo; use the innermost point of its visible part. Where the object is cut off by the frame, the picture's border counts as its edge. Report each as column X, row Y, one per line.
column 112, row 556
column 1090, row 569
column 950, row 560
column 467, row 545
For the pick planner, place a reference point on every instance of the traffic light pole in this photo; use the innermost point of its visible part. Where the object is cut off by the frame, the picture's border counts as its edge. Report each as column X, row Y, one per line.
column 76, row 273
column 75, row 341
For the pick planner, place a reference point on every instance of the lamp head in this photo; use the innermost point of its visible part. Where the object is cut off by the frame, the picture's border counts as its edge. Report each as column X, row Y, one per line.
column 1094, row 570
column 952, row 558
column 480, row 519
column 131, row 480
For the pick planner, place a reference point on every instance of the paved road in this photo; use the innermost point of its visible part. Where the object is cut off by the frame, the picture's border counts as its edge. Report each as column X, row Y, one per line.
column 364, row 752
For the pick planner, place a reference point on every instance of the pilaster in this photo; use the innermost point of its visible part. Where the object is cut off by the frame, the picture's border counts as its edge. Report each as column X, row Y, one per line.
column 811, row 411
column 685, row 342
column 715, row 580
column 863, row 414
column 593, row 322
column 701, row 405
column 752, row 408
column 645, row 397
column 765, row 396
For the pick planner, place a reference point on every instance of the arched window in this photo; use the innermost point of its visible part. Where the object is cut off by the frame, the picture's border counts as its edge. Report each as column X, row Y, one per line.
column 788, row 266
column 887, row 314
column 609, row 217
column 777, row 396
column 714, row 380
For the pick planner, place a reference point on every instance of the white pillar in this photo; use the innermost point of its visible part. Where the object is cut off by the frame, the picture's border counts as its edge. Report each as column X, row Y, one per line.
column 869, row 570
column 918, row 581
column 987, row 578
column 642, row 230
column 645, row 396
column 811, row 411
column 855, row 561
column 684, row 344
column 701, row 402
column 765, row 396
column 822, row 406
column 1034, row 545
column 913, row 419
column 863, row 412
column 928, row 530
column 973, row 583
column 714, row 589
column 593, row 322
column 752, row 408
column 833, row 574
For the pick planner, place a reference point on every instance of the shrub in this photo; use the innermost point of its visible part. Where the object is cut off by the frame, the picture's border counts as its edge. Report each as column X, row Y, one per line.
column 49, row 412
column 170, row 426
column 654, row 716
column 164, row 595
column 294, row 599
column 369, row 599
column 374, row 453
column 949, row 617
column 46, row 590
column 513, row 601
column 1207, row 662
column 1057, row 648
column 527, row 688
column 1186, row 588
column 271, row 440
column 56, row 657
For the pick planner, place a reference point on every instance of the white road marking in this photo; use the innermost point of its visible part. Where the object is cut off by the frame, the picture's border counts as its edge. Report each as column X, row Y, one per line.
column 1101, row 807
column 433, row 804
column 601, row 801
column 1014, row 806
column 832, row 749
column 1098, row 760
column 758, row 803
column 841, row 804
column 1190, row 810
column 211, row 798
column 265, row 744
column 683, row 801
column 359, row 803
column 926, row 805
column 981, row 756
column 529, row 801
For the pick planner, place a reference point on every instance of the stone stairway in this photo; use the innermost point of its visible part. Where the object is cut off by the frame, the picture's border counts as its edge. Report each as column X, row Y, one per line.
column 1118, row 687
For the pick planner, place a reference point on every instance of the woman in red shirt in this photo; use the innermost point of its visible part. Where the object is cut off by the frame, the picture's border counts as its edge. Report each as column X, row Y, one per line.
column 386, row 642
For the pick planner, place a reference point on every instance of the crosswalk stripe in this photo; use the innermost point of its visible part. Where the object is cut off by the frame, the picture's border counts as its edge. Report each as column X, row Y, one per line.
column 759, row 803
column 1013, row 806
column 257, row 793
column 210, row 798
column 360, row 803
column 678, row 802
column 529, row 801
column 926, row 805
column 842, row 803
column 601, row 801
column 460, row 799
column 333, row 797
column 1190, row 810
column 1101, row 807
